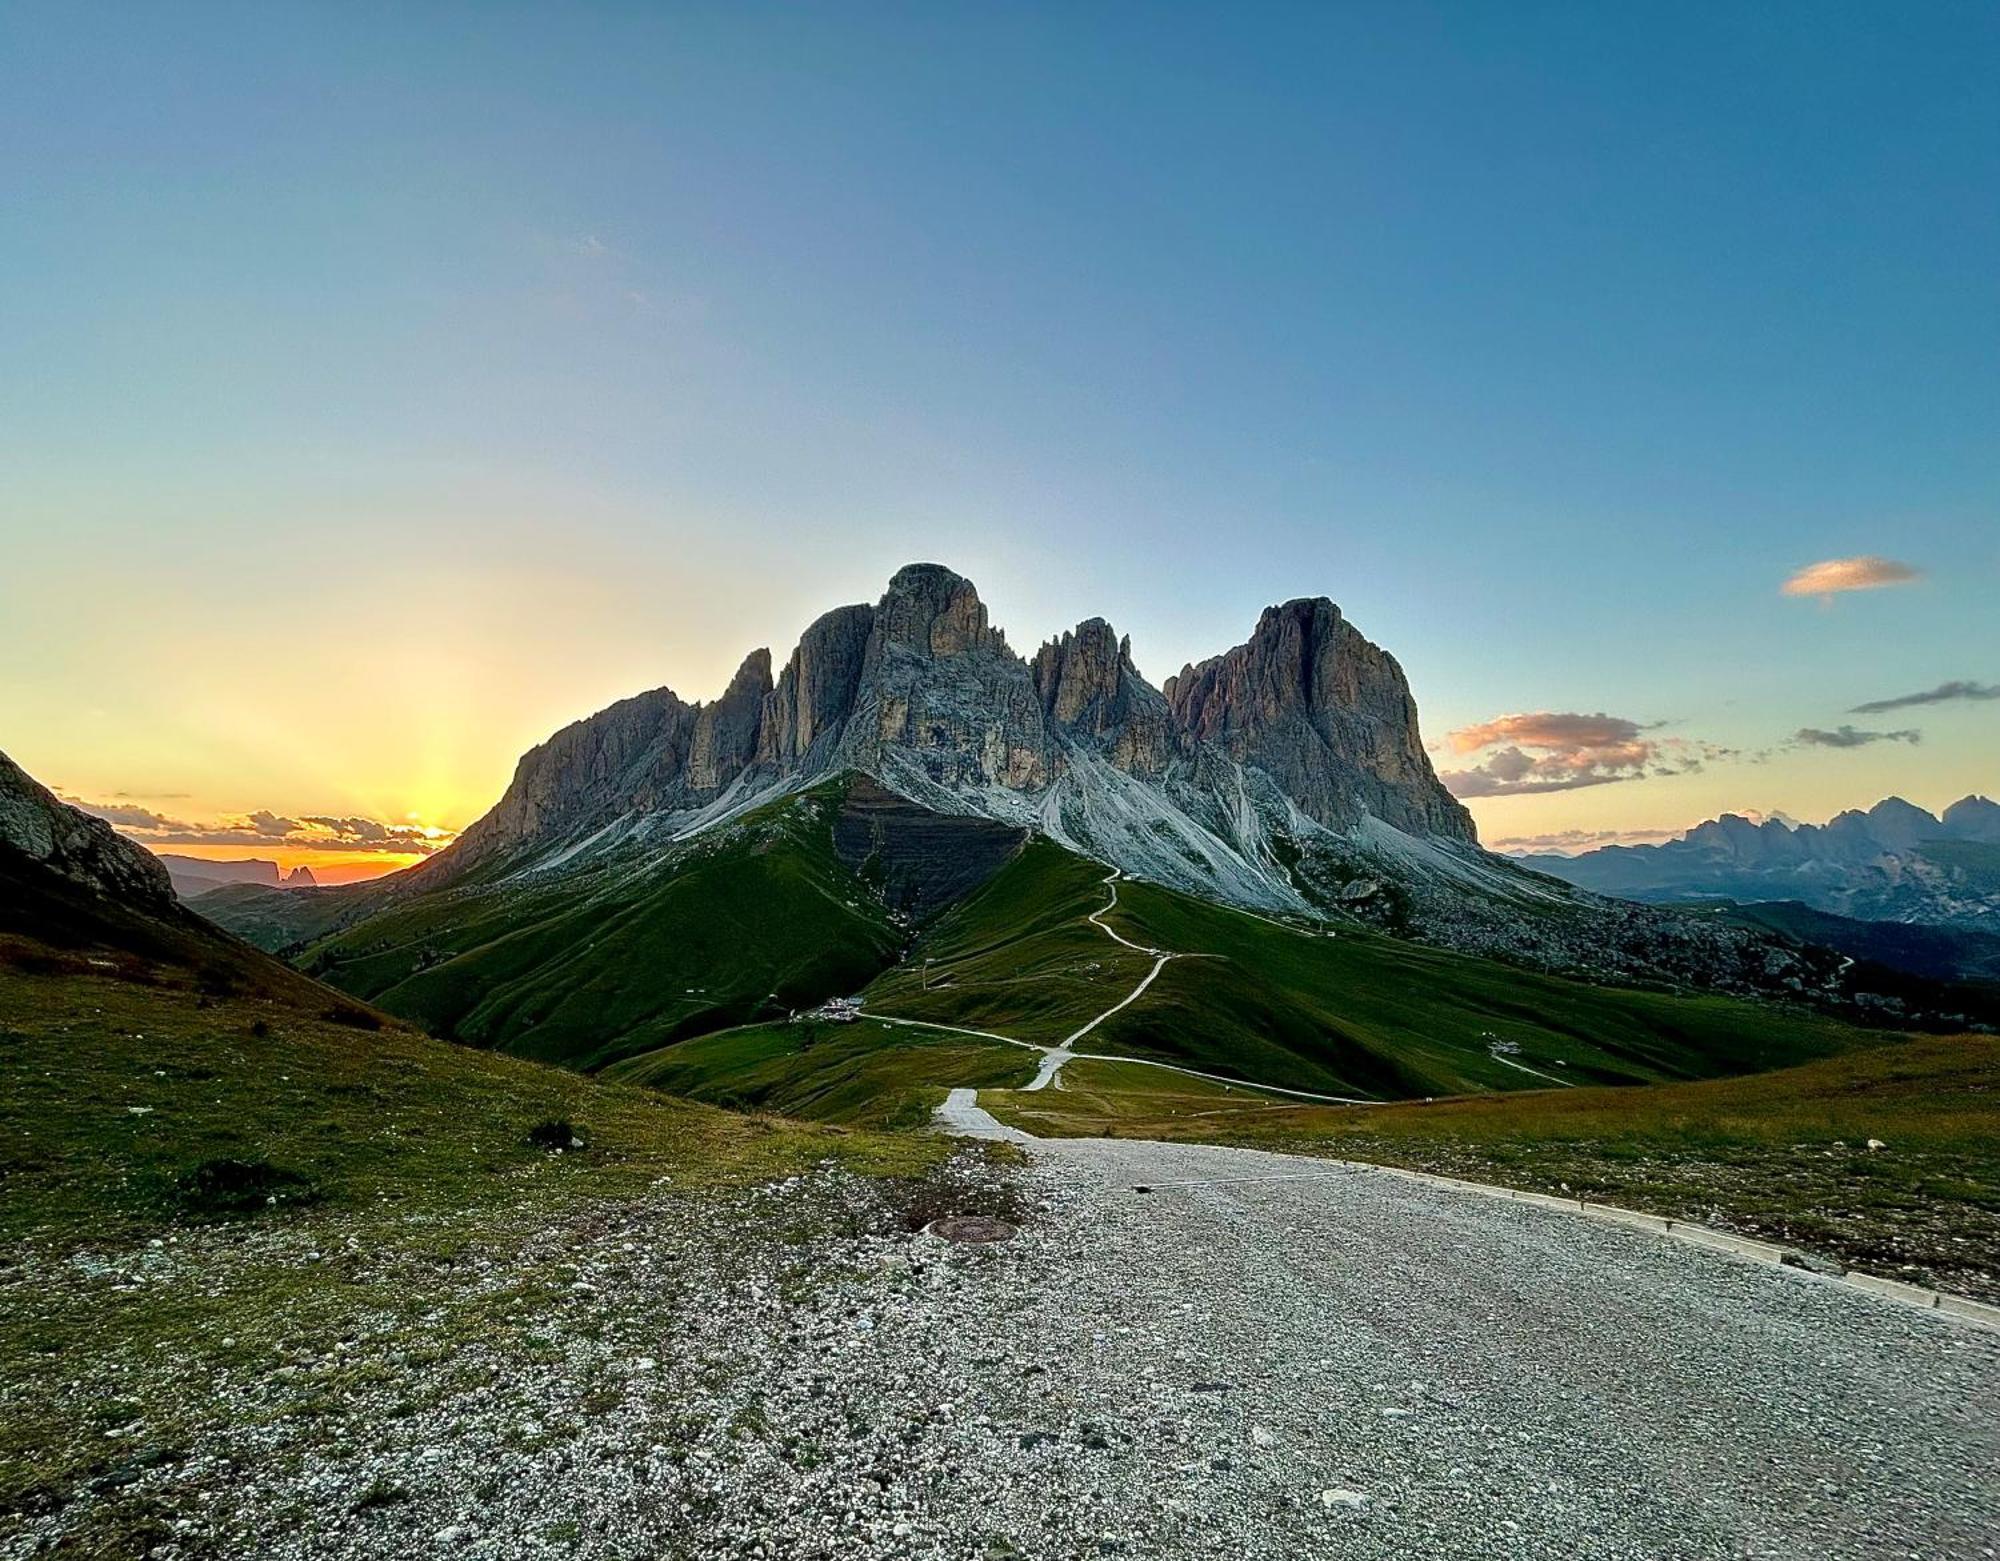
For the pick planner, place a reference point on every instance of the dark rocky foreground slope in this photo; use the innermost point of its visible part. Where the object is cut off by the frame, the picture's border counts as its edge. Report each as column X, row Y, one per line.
column 76, row 897
column 75, row 847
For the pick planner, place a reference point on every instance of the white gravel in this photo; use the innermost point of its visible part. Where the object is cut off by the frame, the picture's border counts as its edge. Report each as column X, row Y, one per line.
column 1334, row 1365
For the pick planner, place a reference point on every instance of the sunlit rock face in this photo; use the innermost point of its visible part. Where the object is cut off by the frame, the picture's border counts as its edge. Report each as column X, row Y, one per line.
column 1306, row 721
column 1327, row 714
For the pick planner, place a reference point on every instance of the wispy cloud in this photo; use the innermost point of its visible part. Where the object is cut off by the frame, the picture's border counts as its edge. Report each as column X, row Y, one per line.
column 1867, row 572
column 1957, row 688
column 1851, row 737
column 1565, row 841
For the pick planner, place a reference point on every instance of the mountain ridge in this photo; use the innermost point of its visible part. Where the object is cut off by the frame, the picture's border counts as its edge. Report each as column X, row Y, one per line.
column 1307, row 723
column 1286, row 776
column 194, row 875
column 1892, row 862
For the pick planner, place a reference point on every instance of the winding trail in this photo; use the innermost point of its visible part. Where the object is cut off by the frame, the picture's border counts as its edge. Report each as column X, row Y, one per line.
column 1050, row 1071
column 1522, row 1067
column 1054, row 1058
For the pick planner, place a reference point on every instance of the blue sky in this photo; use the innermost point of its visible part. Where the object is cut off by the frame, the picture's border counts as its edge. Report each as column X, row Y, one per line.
column 384, row 386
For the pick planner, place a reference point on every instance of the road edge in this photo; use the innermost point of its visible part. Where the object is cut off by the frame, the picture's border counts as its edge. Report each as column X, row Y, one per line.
column 1978, row 1314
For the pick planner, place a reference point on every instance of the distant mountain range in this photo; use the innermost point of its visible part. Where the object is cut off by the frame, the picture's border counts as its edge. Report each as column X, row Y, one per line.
column 196, row 875
column 1895, row 862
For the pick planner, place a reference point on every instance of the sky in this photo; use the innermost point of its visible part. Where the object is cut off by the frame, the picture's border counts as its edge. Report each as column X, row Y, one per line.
column 382, row 388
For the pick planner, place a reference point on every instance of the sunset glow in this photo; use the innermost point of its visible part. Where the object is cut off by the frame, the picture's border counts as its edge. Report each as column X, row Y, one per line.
column 563, row 441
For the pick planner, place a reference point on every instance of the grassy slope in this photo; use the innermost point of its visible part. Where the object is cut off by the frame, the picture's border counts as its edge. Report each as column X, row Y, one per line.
column 1018, row 957
column 134, row 1050
column 864, row 1073
column 1356, row 1013
column 116, row 1090
column 587, row 967
column 273, row 919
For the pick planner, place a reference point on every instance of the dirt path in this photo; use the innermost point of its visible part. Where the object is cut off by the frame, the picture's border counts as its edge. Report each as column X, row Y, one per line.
column 1050, row 1072
column 1055, row 1058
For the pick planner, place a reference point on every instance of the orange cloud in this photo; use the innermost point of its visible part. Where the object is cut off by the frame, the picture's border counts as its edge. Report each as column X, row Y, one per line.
column 1868, row 572
column 308, row 837
column 1545, row 729
column 1563, row 750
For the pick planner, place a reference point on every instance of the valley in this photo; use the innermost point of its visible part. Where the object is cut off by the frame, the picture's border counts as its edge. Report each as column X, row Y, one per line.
column 613, row 1140
column 622, row 1166
column 881, row 782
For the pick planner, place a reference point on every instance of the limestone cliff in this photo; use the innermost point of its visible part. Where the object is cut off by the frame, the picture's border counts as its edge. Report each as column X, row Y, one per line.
column 1327, row 714
column 921, row 692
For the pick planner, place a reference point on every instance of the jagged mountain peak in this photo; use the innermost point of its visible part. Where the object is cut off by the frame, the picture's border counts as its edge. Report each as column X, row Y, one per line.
column 1313, row 702
column 1973, row 818
column 924, row 579
column 933, row 611
column 1305, row 724
column 754, row 676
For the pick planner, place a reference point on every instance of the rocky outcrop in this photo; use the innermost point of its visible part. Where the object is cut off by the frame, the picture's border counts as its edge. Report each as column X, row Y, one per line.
column 1311, row 702
column 942, row 700
column 933, row 613
column 628, row 757
column 76, row 846
column 1091, row 692
column 815, row 695
column 725, row 738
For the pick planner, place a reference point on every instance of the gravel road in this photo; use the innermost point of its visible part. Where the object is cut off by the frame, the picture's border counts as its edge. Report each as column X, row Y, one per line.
column 1334, row 1364
column 1490, row 1379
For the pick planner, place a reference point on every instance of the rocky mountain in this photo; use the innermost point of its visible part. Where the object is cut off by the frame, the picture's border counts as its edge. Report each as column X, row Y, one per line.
column 74, row 846
column 77, row 899
column 1286, row 776
column 1894, row 862
column 1306, row 729
column 193, row 875
column 1313, row 704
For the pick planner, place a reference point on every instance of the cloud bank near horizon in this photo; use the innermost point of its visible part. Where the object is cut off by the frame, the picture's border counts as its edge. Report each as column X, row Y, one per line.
column 1531, row 753
column 268, row 829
